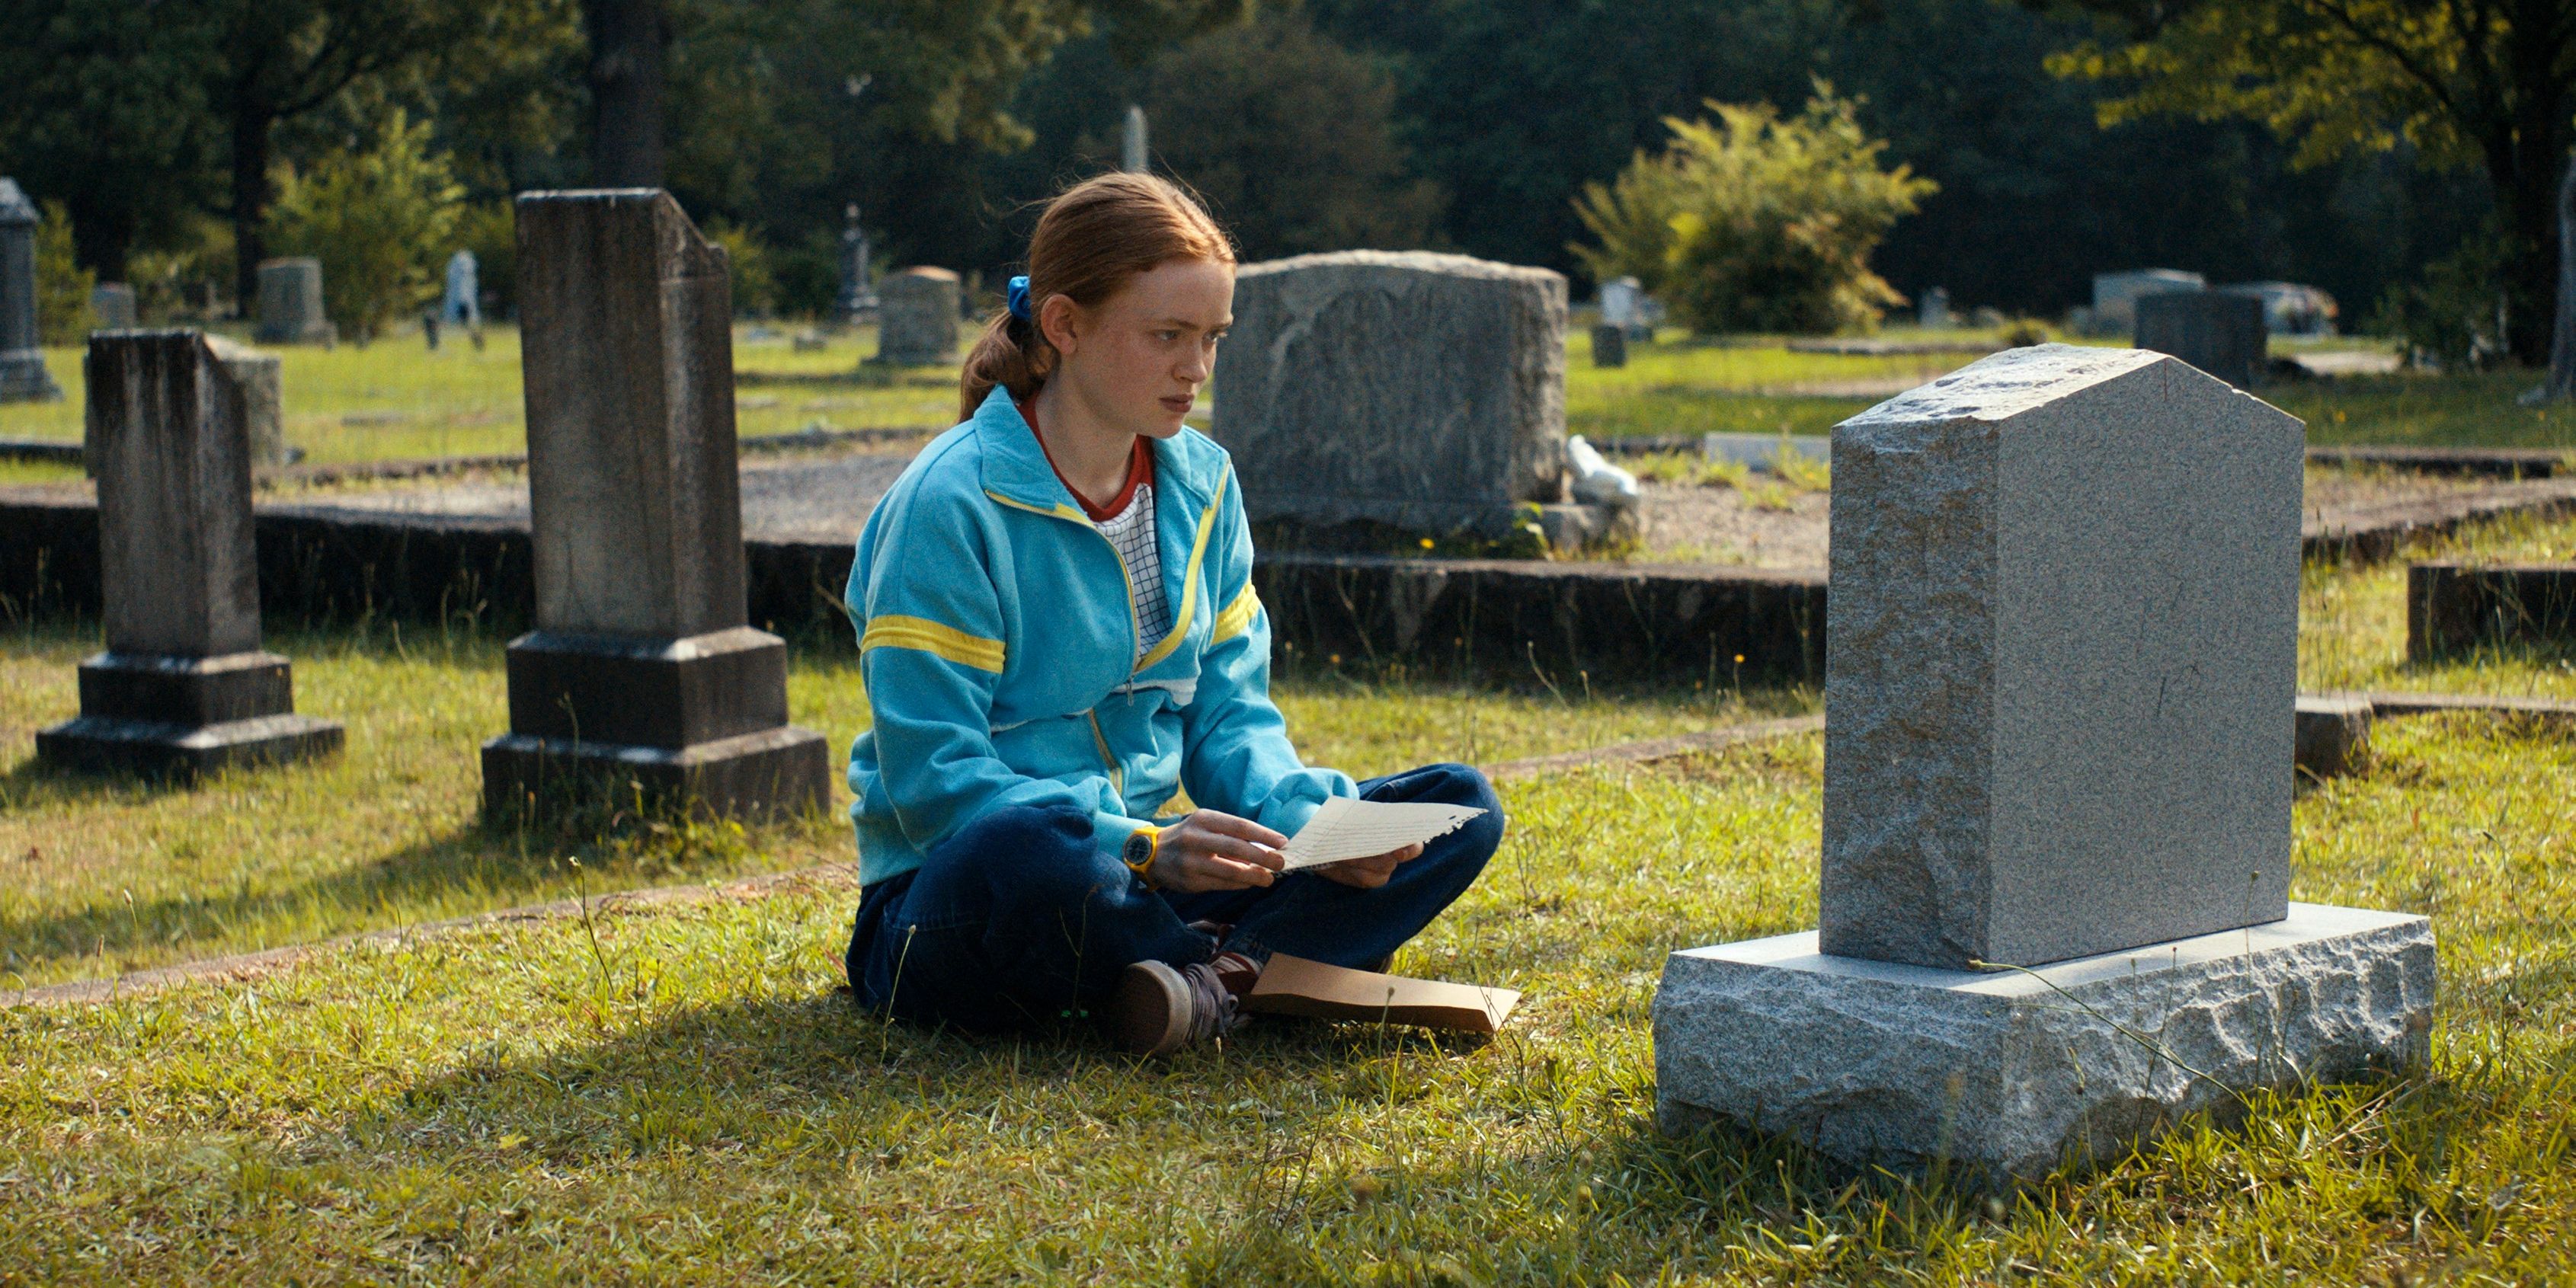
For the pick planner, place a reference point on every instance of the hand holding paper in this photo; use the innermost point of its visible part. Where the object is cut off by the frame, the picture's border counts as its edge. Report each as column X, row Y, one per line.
column 1345, row 828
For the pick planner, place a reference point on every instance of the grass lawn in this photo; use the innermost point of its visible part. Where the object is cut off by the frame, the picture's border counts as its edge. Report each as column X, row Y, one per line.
column 680, row 1095
column 395, row 399
column 98, row 878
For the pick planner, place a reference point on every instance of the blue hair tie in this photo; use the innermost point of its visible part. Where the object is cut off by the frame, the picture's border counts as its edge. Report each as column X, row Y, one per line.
column 1019, row 298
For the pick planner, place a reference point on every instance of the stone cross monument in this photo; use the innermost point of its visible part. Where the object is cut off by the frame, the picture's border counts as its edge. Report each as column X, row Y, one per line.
column 184, row 687
column 642, row 667
column 2060, row 678
column 22, row 363
column 858, row 298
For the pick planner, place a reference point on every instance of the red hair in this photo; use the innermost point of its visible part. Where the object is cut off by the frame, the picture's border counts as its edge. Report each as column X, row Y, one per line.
column 1094, row 238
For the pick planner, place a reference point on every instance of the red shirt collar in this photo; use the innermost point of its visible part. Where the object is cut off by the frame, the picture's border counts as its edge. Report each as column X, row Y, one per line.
column 1140, row 470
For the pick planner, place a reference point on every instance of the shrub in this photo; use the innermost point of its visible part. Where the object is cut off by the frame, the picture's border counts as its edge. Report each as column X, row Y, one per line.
column 755, row 288
column 63, row 312
column 1753, row 222
column 382, row 221
column 2453, row 317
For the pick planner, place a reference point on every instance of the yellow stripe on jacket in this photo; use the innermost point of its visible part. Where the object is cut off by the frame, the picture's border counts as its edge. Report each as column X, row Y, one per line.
column 931, row 637
column 1237, row 617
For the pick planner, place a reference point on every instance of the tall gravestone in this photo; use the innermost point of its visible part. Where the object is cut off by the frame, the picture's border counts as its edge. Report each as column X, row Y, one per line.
column 1132, row 154
column 2116, row 295
column 917, row 317
column 2218, row 332
column 2061, row 676
column 1410, row 390
column 184, row 686
column 642, row 668
column 290, row 303
column 22, row 362
column 857, row 301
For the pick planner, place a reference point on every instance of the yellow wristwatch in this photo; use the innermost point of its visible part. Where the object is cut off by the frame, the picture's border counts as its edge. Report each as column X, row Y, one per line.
column 1138, row 854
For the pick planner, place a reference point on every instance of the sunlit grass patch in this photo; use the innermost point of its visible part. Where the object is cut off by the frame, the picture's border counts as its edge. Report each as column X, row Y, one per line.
column 684, row 1095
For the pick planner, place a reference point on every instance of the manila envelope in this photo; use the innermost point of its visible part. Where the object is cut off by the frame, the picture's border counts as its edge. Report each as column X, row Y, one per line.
column 1296, row 986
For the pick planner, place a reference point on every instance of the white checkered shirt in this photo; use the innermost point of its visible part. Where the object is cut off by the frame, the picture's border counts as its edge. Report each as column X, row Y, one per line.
column 1132, row 531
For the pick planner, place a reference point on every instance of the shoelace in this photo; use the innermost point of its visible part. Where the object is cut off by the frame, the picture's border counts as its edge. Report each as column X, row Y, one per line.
column 1212, row 1009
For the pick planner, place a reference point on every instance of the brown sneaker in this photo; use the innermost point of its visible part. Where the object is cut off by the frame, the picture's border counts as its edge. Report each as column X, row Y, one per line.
column 1158, row 1009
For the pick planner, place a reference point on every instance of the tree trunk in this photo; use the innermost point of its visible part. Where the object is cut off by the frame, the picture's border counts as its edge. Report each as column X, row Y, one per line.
column 2534, row 152
column 2562, row 348
column 627, row 39
column 250, row 201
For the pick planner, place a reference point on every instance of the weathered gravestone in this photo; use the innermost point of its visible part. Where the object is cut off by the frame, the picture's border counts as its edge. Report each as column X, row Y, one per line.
column 22, row 363
column 2116, row 295
column 1406, row 390
column 290, row 303
column 260, row 378
column 641, row 668
column 113, row 304
column 184, row 687
column 1609, row 345
column 2217, row 332
column 2061, row 679
column 917, row 317
column 1932, row 312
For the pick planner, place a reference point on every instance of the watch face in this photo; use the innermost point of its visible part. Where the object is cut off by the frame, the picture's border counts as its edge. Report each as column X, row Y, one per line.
column 1140, row 847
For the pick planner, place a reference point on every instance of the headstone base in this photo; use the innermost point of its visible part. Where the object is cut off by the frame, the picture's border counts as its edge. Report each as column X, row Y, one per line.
column 157, row 714
column 2005, row 1075
column 151, row 748
column 2333, row 737
column 1370, row 525
column 23, row 378
column 771, row 774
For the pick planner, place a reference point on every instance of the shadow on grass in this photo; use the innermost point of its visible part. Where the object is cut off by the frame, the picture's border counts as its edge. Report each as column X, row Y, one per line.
column 463, row 871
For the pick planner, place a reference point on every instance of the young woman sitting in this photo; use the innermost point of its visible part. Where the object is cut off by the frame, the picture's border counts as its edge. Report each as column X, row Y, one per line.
column 1058, row 636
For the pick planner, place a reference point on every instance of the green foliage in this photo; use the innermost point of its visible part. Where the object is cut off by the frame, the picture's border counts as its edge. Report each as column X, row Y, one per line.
column 63, row 312
column 2456, row 84
column 381, row 220
column 1756, row 222
column 1289, row 137
column 2453, row 317
column 755, row 286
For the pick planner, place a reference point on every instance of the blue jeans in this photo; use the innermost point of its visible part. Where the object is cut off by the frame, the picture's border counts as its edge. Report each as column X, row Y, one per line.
column 1018, row 918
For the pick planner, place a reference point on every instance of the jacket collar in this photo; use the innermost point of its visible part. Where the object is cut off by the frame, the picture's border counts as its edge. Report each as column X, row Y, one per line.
column 1015, row 467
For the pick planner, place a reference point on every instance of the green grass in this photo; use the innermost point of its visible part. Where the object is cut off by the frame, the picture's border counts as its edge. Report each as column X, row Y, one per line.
column 396, row 400
column 98, row 878
column 683, row 1097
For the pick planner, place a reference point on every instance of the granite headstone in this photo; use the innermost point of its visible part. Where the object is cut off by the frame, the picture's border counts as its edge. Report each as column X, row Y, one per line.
column 2116, row 295
column 113, row 304
column 642, row 668
column 1417, row 391
column 2058, row 777
column 183, row 687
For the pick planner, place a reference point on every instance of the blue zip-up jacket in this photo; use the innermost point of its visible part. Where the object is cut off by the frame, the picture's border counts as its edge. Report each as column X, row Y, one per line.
column 997, row 641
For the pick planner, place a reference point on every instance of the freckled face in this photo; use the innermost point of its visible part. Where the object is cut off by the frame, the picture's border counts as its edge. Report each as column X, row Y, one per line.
column 1139, row 360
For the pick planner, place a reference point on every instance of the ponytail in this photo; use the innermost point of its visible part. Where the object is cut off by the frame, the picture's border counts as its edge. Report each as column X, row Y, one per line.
column 1093, row 239
column 1010, row 354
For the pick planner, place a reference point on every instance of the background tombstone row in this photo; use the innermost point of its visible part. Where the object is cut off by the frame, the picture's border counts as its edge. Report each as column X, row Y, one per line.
column 642, row 670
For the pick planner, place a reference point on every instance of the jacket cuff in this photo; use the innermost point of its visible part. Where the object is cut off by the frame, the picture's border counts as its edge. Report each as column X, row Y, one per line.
column 1109, row 832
